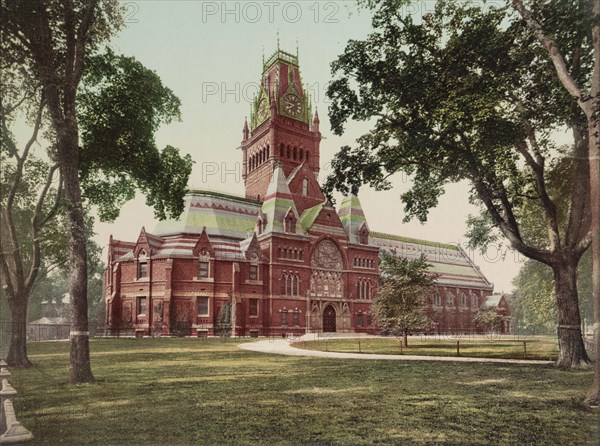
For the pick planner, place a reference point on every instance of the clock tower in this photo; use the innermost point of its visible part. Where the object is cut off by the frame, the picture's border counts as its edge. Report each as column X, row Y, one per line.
column 282, row 129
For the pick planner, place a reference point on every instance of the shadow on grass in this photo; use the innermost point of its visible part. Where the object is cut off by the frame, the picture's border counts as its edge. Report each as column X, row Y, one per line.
column 182, row 391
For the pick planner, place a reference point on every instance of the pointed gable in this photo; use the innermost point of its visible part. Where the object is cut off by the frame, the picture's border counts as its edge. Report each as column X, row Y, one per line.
column 203, row 244
column 305, row 188
column 323, row 220
column 147, row 242
column 353, row 219
column 279, row 204
column 251, row 248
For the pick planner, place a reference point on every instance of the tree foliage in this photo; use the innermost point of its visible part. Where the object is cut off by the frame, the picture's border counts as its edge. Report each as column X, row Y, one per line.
column 121, row 105
column 488, row 319
column 405, row 285
column 50, row 42
column 466, row 93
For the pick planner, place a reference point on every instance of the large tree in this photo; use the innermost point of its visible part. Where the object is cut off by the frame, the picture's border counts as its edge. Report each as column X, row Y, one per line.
column 533, row 305
column 401, row 295
column 465, row 95
column 55, row 39
column 585, row 92
column 31, row 243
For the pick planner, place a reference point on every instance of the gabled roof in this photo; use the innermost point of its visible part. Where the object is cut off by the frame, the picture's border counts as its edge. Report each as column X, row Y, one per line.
column 278, row 203
column 494, row 301
column 50, row 321
column 449, row 261
column 223, row 216
column 310, row 215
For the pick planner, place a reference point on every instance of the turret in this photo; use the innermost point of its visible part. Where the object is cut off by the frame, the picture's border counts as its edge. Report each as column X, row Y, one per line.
column 316, row 122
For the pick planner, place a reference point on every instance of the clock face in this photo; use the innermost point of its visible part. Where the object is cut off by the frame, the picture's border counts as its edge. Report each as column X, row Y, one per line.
column 263, row 110
column 293, row 105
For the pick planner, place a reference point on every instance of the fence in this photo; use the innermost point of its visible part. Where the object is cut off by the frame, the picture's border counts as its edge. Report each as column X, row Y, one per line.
column 13, row 431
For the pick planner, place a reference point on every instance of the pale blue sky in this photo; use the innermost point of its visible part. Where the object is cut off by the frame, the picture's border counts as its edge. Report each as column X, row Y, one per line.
column 210, row 55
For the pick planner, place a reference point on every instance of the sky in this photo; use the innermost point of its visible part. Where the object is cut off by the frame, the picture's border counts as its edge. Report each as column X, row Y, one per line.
column 210, row 54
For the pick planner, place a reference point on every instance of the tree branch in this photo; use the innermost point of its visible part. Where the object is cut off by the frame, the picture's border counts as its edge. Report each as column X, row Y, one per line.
column 540, row 185
column 16, row 258
column 555, row 55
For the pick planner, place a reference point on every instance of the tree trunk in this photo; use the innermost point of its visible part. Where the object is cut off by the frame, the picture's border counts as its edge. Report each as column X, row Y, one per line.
column 17, row 352
column 572, row 350
column 80, row 371
column 593, row 395
column 405, row 339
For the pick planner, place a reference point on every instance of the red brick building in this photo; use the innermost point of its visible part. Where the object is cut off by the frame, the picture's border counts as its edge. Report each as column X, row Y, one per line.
column 280, row 260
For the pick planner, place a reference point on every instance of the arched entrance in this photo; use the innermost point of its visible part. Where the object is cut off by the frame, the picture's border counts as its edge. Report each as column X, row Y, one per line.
column 329, row 319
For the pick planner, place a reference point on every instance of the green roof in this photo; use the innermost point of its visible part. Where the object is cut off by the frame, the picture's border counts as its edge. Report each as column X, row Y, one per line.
column 309, row 215
column 415, row 241
column 223, row 195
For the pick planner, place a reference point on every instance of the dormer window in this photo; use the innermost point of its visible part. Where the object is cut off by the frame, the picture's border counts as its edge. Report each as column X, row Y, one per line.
column 142, row 269
column 289, row 223
column 204, row 264
column 363, row 235
column 305, row 186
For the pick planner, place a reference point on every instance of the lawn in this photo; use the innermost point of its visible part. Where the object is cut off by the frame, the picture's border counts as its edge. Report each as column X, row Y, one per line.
column 192, row 391
column 543, row 348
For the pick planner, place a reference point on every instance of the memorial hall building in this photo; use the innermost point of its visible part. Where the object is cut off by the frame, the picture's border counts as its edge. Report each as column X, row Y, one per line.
column 279, row 259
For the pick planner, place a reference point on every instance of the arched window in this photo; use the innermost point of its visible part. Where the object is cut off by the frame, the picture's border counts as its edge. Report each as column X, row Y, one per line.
column 361, row 289
column 268, row 149
column 142, row 269
column 281, row 150
column 305, row 186
column 307, row 156
column 289, row 149
column 295, row 155
column 284, row 279
column 301, row 154
column 363, row 236
column 367, row 290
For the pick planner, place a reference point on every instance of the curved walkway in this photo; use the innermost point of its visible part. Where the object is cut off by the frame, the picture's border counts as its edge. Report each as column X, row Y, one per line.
column 285, row 347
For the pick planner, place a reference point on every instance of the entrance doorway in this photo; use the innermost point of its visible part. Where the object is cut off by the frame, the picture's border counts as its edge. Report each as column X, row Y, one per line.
column 329, row 319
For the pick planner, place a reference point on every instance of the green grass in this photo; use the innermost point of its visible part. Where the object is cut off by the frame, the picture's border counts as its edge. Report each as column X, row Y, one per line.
column 191, row 391
column 543, row 348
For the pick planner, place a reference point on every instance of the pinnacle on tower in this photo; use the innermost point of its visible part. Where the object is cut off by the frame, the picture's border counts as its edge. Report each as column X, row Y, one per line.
column 246, row 130
column 316, row 121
